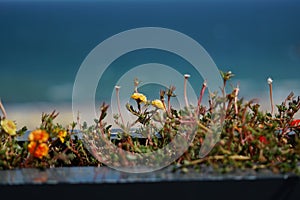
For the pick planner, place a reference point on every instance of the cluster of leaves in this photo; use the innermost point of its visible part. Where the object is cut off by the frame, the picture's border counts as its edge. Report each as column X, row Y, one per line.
column 11, row 152
column 62, row 146
column 250, row 138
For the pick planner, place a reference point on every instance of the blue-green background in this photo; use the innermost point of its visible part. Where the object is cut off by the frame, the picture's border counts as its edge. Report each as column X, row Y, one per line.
column 42, row 43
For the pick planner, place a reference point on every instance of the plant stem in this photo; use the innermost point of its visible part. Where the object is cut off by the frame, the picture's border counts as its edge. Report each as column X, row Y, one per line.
column 271, row 95
column 204, row 85
column 3, row 109
column 236, row 92
column 169, row 105
column 118, row 102
column 186, row 76
column 271, row 98
column 218, row 157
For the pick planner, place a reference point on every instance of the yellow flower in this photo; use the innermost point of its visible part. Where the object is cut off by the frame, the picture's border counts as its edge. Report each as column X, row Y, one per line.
column 139, row 97
column 61, row 135
column 158, row 104
column 9, row 126
column 38, row 136
column 38, row 150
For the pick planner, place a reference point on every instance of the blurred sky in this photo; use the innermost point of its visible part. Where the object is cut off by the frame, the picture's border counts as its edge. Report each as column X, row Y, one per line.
column 43, row 43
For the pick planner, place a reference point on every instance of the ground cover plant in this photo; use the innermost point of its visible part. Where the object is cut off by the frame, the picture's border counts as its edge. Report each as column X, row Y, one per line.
column 249, row 138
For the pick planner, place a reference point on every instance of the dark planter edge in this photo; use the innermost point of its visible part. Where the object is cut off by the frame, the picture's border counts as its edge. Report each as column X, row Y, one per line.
column 99, row 181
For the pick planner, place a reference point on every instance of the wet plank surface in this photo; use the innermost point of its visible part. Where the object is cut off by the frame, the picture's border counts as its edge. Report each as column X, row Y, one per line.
column 113, row 184
column 74, row 175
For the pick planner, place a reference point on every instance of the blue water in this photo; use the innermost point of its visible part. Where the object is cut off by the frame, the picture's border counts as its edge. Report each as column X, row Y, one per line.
column 42, row 44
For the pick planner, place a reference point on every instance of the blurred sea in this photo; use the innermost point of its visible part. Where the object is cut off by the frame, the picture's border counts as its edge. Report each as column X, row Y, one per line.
column 42, row 45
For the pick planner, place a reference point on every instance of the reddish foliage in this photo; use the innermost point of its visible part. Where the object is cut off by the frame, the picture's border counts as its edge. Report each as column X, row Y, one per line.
column 295, row 123
column 263, row 139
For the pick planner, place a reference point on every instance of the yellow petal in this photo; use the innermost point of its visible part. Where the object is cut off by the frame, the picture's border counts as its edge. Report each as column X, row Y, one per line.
column 158, row 104
column 139, row 97
column 9, row 126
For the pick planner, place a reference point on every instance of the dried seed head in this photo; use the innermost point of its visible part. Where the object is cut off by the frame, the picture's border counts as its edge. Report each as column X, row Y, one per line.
column 269, row 81
column 187, row 76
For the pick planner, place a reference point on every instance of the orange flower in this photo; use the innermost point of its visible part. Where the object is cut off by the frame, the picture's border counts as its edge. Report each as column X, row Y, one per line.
column 38, row 151
column 38, row 136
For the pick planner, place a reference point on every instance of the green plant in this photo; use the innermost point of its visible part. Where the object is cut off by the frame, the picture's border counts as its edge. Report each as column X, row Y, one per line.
column 248, row 138
column 50, row 145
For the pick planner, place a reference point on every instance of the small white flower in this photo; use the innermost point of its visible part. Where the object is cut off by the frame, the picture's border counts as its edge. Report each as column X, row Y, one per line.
column 117, row 87
column 187, row 76
column 269, row 81
column 229, row 72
